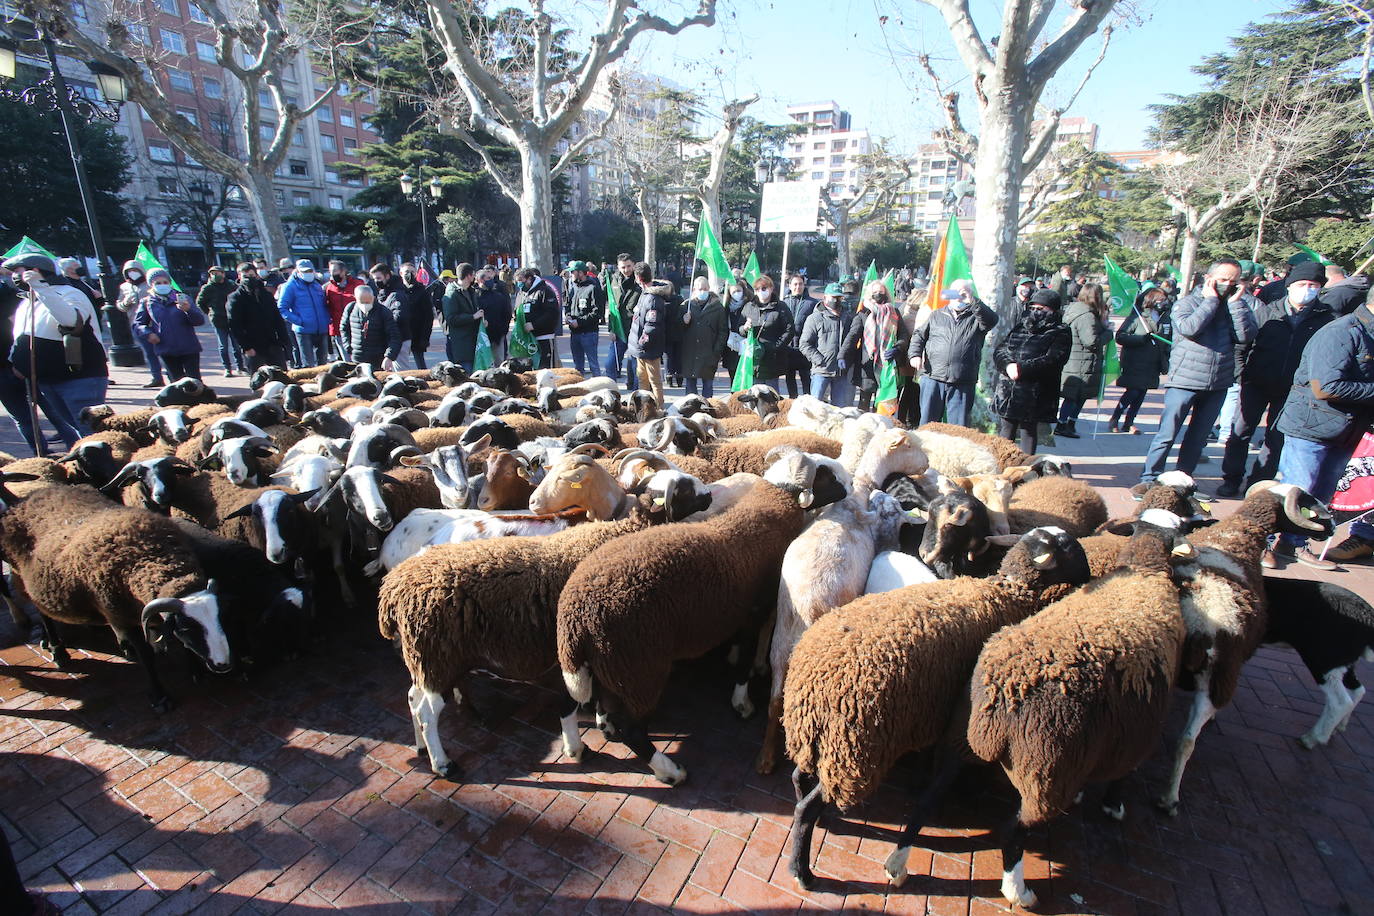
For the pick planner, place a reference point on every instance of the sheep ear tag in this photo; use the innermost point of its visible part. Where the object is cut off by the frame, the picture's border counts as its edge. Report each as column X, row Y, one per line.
column 1205, row 504
column 1043, row 561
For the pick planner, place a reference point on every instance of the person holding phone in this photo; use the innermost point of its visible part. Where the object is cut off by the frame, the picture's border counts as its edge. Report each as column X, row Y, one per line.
column 166, row 319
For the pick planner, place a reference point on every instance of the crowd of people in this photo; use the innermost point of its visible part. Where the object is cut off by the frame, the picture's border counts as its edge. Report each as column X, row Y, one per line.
column 1292, row 351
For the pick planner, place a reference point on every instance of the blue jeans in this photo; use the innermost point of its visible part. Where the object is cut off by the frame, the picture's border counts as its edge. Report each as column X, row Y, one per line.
column 708, row 387
column 314, row 349
column 615, row 357
column 836, row 390
column 183, row 365
column 150, row 358
column 1178, row 403
column 64, row 401
column 773, row 382
column 228, row 344
column 1316, row 467
column 583, row 347
column 14, row 397
column 943, row 400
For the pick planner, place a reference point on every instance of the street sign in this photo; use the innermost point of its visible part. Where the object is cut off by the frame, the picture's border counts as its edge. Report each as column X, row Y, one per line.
column 790, row 206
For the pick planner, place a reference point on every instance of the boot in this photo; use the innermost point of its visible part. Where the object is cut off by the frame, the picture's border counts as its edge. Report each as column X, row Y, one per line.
column 1066, row 430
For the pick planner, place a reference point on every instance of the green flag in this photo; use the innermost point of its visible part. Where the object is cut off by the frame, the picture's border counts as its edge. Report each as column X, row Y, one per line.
column 27, row 246
column 956, row 258
column 1123, row 288
column 1311, row 256
column 614, row 322
column 889, row 384
column 1175, row 273
column 709, row 250
column 751, row 268
column 521, row 340
column 890, row 281
column 870, row 276
column 145, row 258
column 744, row 372
column 482, row 354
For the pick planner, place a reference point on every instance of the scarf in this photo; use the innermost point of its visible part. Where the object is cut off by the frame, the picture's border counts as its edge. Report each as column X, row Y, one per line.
column 880, row 327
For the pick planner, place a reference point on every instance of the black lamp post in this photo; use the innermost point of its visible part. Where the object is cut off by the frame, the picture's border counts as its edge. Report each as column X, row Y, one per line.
column 53, row 94
column 436, row 190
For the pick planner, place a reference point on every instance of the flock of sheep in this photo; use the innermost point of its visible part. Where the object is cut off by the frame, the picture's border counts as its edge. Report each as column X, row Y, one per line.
column 931, row 590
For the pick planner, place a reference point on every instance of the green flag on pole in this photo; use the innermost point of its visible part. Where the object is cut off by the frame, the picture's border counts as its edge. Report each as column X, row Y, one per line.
column 27, row 246
column 614, row 322
column 751, row 268
column 1123, row 290
column 521, row 340
column 709, row 250
column 1311, row 255
column 890, row 281
column 146, row 260
column 1175, row 273
column 744, row 372
column 869, row 276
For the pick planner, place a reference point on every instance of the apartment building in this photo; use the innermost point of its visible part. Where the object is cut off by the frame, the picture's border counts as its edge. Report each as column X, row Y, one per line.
column 182, row 38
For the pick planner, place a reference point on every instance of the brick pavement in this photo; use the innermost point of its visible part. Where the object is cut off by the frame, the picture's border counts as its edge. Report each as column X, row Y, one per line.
column 297, row 789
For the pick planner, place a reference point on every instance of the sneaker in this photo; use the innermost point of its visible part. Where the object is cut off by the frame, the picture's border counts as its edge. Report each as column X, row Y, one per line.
column 1277, row 555
column 1065, row 430
column 228, row 373
column 1135, row 430
column 1139, row 490
column 1228, row 491
column 1314, row 561
column 1111, row 428
column 153, row 385
column 1352, row 548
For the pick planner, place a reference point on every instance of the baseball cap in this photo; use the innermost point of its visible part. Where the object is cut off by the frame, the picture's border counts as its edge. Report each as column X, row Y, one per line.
column 447, row 274
column 578, row 265
column 834, row 289
column 305, row 264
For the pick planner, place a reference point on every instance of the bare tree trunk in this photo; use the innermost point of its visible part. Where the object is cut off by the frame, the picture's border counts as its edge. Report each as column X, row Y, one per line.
column 257, row 193
column 650, row 235
column 842, row 241
column 998, row 179
column 1188, row 258
column 536, row 209
column 1259, row 233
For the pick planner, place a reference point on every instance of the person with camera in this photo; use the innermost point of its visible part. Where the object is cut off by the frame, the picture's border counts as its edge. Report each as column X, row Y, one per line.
column 947, row 350
column 1208, row 325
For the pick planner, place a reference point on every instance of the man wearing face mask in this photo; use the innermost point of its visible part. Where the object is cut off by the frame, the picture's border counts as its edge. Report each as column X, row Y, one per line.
column 1024, row 287
column 801, row 306
column 627, row 296
column 1208, row 324
column 370, row 332
column 131, row 292
column 1268, row 376
column 541, row 313
column 495, row 304
column 413, row 309
column 822, row 343
column 168, row 320
column 585, row 310
column 703, row 338
column 255, row 321
column 301, row 302
column 338, row 295
column 462, row 311
column 948, row 350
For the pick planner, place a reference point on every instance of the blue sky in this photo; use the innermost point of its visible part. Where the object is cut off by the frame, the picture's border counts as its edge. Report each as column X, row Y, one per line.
column 810, row 50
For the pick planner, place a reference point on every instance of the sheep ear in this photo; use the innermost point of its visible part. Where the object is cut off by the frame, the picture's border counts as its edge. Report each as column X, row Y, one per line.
column 413, row 461
column 302, row 497
column 1002, row 540
column 243, row 511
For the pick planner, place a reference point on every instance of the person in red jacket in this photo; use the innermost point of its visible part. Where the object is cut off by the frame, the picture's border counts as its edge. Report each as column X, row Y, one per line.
column 338, row 294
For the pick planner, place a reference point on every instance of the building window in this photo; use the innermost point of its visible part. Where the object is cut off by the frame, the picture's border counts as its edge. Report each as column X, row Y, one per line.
column 159, row 152
column 300, row 199
column 837, row 146
column 264, row 98
column 267, row 131
column 279, row 196
column 837, row 160
column 197, row 14
column 817, row 176
column 190, row 115
column 325, row 113
column 824, row 117
column 353, row 181
column 331, row 176
column 327, row 142
column 213, row 88
column 167, row 186
column 219, row 123
column 298, row 138
column 350, row 146
column 818, row 160
column 934, row 195
column 206, row 51
column 819, row 145
column 937, row 164
column 170, row 7
column 346, row 117
column 180, row 80
column 172, row 41
column 335, row 202
column 139, row 33
column 837, row 176
column 298, row 168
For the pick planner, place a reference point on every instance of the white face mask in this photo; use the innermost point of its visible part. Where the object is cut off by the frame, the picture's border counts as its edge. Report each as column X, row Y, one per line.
column 960, row 304
column 1304, row 297
column 765, row 295
column 737, row 296
column 135, row 276
column 366, row 307
column 702, row 295
column 307, row 275
column 162, row 289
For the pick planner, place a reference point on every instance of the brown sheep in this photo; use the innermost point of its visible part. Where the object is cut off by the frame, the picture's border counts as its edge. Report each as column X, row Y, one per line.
column 739, row 424
column 643, row 601
column 528, row 428
column 1007, row 453
column 883, row 676
column 1063, row 501
column 430, row 438
column 1079, row 692
column 489, row 605
column 746, row 455
column 103, row 416
column 46, row 472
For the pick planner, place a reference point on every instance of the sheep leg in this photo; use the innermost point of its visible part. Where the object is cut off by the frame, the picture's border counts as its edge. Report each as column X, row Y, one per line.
column 947, row 766
column 1338, row 707
column 341, row 571
column 1201, row 714
column 52, row 640
column 636, row 738
column 572, row 735
column 137, row 649
column 1014, row 866
column 425, row 706
column 809, row 806
column 749, row 644
column 1356, row 695
column 772, row 739
column 1113, row 805
column 414, row 719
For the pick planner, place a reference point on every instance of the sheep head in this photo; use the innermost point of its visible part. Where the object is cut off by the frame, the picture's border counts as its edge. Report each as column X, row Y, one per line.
column 509, row 481
column 577, row 481
column 1298, row 511
column 993, row 491
column 1046, row 556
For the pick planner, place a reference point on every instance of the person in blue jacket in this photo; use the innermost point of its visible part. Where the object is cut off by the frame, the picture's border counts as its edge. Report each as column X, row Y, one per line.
column 301, row 303
column 166, row 319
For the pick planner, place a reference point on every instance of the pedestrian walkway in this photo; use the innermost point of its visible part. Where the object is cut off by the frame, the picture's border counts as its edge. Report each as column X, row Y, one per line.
column 297, row 789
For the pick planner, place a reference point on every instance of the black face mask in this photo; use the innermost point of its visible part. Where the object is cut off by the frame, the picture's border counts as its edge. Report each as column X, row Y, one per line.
column 1039, row 319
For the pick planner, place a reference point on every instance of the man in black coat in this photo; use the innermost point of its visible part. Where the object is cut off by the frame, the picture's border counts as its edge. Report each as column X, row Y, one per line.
column 585, row 309
column 541, row 313
column 627, row 296
column 801, row 305
column 495, row 304
column 255, row 321
column 948, row 350
column 1268, row 376
column 1343, row 293
column 413, row 308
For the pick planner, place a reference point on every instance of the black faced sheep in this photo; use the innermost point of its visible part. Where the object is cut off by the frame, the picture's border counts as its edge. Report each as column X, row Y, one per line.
column 883, row 676
column 642, row 602
column 1078, row 693
column 1223, row 603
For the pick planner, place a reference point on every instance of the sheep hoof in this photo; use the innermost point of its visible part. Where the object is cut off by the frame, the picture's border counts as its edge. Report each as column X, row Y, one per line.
column 806, row 880
column 449, row 771
column 1028, row 900
column 743, row 706
column 1117, row 814
column 1168, row 806
column 666, row 771
column 1309, row 741
column 765, row 764
column 574, row 753
column 896, row 866
column 61, row 658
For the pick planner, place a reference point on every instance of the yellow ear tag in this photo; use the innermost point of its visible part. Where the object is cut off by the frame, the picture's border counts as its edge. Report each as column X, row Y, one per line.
column 575, row 486
column 658, row 500
column 1206, row 506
